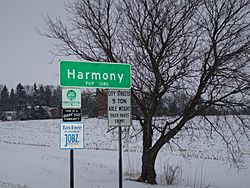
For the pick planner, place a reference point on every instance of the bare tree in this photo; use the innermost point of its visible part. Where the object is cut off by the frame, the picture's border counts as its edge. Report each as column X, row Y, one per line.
column 200, row 48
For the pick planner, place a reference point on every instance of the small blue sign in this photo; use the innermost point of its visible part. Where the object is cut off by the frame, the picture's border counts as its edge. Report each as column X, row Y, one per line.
column 72, row 135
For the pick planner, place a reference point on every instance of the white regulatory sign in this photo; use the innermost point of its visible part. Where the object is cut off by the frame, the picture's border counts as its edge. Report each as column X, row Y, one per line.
column 119, row 108
column 71, row 135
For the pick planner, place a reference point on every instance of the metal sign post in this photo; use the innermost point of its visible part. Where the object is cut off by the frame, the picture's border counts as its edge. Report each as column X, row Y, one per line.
column 71, row 168
column 96, row 75
column 71, row 129
column 72, row 138
column 119, row 114
column 120, row 157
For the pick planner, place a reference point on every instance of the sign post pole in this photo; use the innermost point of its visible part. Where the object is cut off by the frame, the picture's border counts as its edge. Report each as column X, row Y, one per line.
column 71, row 129
column 71, row 168
column 119, row 114
column 120, row 157
column 95, row 75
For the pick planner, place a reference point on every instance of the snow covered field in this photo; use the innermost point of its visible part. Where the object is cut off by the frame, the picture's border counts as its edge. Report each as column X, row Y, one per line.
column 30, row 157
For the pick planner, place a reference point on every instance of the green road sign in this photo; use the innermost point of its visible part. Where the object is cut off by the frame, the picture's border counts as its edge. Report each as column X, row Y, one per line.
column 95, row 75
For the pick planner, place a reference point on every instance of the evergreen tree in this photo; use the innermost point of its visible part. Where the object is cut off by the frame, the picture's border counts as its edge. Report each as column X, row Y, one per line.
column 41, row 96
column 21, row 97
column 12, row 99
column 56, row 100
column 4, row 99
column 47, row 96
column 35, row 96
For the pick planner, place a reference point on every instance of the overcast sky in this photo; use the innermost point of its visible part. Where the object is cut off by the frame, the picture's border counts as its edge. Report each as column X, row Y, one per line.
column 25, row 55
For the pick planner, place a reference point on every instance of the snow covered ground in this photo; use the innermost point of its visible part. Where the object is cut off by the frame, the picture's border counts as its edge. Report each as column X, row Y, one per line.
column 30, row 157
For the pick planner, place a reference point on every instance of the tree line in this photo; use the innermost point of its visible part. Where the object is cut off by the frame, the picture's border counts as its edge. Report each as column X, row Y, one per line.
column 34, row 102
column 30, row 102
column 37, row 101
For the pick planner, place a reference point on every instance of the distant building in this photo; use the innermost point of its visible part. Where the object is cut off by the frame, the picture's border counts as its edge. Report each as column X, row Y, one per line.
column 54, row 112
column 9, row 115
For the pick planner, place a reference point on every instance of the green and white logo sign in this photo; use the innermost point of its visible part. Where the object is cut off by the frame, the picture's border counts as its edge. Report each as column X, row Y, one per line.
column 71, row 95
column 71, row 98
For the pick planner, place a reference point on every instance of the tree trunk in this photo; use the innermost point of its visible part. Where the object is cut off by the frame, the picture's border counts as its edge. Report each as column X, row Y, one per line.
column 148, row 174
